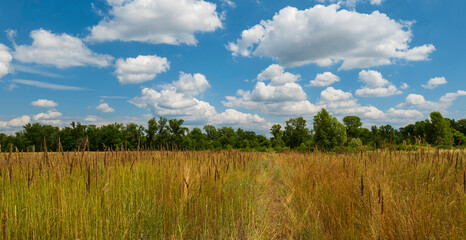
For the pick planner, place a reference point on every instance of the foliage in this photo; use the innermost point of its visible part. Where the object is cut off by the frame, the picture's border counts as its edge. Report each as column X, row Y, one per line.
column 328, row 134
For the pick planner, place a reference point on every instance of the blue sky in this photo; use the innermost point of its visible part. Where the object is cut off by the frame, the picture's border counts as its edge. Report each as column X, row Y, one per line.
column 245, row 63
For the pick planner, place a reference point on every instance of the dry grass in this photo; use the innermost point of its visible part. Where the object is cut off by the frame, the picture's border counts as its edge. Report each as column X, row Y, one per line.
column 233, row 195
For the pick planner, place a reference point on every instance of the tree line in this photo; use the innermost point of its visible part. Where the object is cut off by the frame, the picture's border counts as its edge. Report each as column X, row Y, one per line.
column 327, row 134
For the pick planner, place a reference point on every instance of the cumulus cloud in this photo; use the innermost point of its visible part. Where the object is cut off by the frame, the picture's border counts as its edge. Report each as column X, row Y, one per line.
column 16, row 122
column 5, row 60
column 156, row 21
column 435, row 82
column 375, row 85
column 343, row 103
column 44, row 103
column 140, row 69
column 393, row 113
column 282, row 96
column 105, row 108
column 49, row 115
column 178, row 101
column 324, row 79
column 326, row 35
column 61, row 51
column 418, row 101
column 191, row 85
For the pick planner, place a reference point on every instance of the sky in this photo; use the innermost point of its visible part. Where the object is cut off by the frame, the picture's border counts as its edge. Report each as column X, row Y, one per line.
column 238, row 63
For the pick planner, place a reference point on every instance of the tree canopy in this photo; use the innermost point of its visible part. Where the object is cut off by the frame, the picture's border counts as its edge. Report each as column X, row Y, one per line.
column 328, row 133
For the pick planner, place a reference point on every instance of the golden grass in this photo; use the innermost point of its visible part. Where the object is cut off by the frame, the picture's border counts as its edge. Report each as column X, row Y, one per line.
column 233, row 195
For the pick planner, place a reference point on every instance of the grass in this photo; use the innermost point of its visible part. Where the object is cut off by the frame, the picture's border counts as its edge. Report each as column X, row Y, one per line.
column 233, row 195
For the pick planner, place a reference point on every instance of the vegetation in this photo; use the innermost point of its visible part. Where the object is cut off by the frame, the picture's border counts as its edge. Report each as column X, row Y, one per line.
column 327, row 134
column 233, row 195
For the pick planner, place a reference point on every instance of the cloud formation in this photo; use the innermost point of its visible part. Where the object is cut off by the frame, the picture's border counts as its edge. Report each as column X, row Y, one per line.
column 46, row 85
column 282, row 96
column 418, row 101
column 105, row 108
column 352, row 3
column 156, row 21
column 191, row 85
column 61, row 51
column 324, row 79
column 140, row 69
column 326, row 35
column 435, row 82
column 343, row 103
column 5, row 60
column 16, row 122
column 176, row 100
column 375, row 85
column 44, row 103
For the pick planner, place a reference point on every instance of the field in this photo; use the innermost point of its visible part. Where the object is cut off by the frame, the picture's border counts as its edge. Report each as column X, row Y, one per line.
column 233, row 195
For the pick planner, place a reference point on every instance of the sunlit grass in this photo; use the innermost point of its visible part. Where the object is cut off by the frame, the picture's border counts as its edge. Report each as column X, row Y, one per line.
column 233, row 195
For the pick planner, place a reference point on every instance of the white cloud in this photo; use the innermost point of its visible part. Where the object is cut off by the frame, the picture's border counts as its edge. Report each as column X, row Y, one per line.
column 49, row 115
column 376, row 2
column 393, row 113
column 16, row 122
column 343, row 103
column 5, row 60
column 326, row 35
column 375, row 85
column 281, row 97
column 181, row 103
column 324, row 79
column 404, row 86
column 435, row 82
column 140, row 69
column 44, row 103
column 277, row 75
column 191, row 85
column 234, row 117
column 156, row 21
column 418, row 101
column 61, row 51
column 105, row 108
column 46, row 85
column 351, row 3
column 28, row 69
column 229, row 3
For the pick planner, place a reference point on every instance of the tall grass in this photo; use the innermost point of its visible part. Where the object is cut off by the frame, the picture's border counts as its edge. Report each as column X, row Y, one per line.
column 233, row 195
column 118, row 194
column 376, row 195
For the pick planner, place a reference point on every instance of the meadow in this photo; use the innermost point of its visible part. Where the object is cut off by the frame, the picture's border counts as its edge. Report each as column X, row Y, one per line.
column 382, row 194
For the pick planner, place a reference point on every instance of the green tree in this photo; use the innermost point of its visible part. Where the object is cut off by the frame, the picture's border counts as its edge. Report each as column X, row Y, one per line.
column 338, row 133
column 198, row 139
column 353, row 126
column 295, row 132
column 440, row 130
column 277, row 136
column 323, row 129
column 151, row 131
column 328, row 131
column 176, row 131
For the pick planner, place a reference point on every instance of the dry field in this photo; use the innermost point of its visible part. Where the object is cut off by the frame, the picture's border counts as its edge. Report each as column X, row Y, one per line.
column 233, row 195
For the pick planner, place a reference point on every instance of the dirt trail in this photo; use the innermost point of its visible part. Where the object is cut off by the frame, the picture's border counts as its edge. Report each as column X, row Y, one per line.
column 275, row 206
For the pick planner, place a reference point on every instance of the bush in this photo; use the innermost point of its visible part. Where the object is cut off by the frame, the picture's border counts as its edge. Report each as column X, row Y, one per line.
column 355, row 144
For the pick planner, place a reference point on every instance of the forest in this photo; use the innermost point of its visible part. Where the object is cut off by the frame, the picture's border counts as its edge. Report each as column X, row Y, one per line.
column 328, row 133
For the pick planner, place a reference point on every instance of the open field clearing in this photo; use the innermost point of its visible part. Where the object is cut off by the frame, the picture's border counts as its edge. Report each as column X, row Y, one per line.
column 233, row 195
